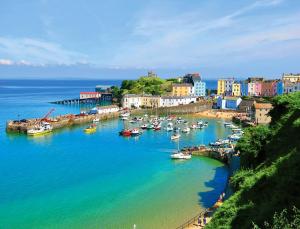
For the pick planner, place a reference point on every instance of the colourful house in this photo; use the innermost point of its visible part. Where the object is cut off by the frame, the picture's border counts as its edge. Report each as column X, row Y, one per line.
column 225, row 86
column 269, row 88
column 258, row 88
column 182, row 89
column 236, row 89
column 228, row 102
column 244, row 88
column 280, row 87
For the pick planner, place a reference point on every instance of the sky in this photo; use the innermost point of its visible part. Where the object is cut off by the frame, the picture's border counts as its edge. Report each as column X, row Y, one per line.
column 126, row 38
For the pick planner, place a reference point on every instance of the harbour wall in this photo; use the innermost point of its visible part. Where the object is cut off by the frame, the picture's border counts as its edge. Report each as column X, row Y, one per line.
column 58, row 122
column 181, row 109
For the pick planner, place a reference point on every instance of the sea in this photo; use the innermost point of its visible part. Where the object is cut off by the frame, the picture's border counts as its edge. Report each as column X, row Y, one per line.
column 68, row 179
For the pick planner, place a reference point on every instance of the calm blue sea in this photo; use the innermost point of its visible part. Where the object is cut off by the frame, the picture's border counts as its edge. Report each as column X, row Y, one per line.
column 68, row 179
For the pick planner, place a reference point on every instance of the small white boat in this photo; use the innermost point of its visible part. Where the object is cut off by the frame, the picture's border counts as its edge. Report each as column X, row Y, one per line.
column 135, row 132
column 169, row 127
column 180, row 155
column 186, row 130
column 144, row 126
column 200, row 123
column 96, row 120
column 175, row 136
column 126, row 114
column 124, row 118
column 193, row 126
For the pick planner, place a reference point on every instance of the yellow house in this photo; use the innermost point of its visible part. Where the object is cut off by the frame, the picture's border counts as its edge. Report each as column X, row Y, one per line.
column 221, row 87
column 150, row 101
column 182, row 89
column 236, row 89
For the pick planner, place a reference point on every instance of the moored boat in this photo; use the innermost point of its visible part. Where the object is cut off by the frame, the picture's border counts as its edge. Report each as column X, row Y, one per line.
column 40, row 129
column 175, row 136
column 125, row 133
column 91, row 129
column 180, row 155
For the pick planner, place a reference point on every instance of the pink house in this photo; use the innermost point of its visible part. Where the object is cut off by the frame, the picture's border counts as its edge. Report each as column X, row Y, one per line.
column 258, row 88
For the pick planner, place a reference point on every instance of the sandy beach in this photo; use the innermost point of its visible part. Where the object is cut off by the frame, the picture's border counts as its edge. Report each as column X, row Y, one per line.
column 217, row 114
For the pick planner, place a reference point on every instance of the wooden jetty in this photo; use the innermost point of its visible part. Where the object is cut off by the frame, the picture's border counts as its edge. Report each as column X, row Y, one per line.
column 78, row 101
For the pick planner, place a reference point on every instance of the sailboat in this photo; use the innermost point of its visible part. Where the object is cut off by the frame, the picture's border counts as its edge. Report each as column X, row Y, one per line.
column 179, row 155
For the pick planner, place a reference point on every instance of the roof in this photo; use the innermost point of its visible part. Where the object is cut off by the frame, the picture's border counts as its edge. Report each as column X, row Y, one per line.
column 179, row 97
column 90, row 92
column 107, row 107
column 263, row 106
column 182, row 85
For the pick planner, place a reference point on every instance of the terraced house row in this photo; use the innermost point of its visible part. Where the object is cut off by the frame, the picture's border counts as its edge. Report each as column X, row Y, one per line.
column 258, row 86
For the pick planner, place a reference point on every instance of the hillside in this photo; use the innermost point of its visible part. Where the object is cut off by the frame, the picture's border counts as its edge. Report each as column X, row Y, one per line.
column 269, row 179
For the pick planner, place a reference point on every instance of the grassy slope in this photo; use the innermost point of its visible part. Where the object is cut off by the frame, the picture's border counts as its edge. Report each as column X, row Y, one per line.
column 271, row 182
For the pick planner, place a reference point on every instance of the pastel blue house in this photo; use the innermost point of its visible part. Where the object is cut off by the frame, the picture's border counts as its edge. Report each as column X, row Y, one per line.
column 280, row 88
column 199, row 88
column 228, row 102
column 244, row 88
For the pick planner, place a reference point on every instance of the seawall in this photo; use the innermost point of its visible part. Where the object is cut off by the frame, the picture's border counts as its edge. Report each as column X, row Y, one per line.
column 181, row 109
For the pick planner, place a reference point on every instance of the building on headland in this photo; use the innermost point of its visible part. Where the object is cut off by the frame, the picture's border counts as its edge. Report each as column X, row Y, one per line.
column 182, row 89
column 225, row 86
column 170, row 101
column 236, row 89
column 90, row 95
column 199, row 87
column 261, row 113
column 102, row 88
column 291, row 77
column 228, row 102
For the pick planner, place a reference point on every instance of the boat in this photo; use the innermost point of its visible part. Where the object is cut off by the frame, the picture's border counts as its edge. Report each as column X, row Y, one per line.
column 40, row 129
column 176, row 129
column 175, row 136
column 157, row 127
column 124, row 118
column 193, row 126
column 186, row 130
column 96, row 120
column 150, row 127
column 135, row 132
column 227, row 124
column 144, row 126
column 234, row 137
column 169, row 127
column 125, row 114
column 200, row 122
column 205, row 124
column 180, row 155
column 91, row 129
column 125, row 133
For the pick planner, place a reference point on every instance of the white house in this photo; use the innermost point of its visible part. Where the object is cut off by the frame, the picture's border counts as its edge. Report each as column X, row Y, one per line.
column 107, row 109
column 131, row 100
column 90, row 95
column 170, row 101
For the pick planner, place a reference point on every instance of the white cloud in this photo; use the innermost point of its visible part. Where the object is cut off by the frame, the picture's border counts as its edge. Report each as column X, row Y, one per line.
column 160, row 38
column 6, row 62
column 30, row 51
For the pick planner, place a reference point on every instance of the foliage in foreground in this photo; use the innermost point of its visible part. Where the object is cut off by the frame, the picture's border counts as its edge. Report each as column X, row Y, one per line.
column 269, row 178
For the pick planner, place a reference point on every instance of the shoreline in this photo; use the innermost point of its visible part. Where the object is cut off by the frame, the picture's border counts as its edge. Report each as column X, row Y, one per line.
column 217, row 114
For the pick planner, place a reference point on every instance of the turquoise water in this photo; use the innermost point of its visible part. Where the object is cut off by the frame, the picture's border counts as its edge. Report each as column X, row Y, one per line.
column 68, row 179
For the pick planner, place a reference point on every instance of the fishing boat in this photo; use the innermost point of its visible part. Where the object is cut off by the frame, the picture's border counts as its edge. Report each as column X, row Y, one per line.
column 125, row 133
column 227, row 124
column 175, row 136
column 40, row 129
column 91, row 129
column 234, row 137
column 200, row 123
